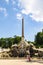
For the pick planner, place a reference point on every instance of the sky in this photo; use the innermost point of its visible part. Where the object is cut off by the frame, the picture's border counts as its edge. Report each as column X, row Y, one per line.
column 11, row 13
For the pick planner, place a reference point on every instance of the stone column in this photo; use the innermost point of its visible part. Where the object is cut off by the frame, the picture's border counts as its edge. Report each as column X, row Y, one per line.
column 23, row 28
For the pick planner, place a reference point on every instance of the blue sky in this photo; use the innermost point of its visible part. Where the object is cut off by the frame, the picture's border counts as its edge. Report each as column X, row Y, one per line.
column 11, row 13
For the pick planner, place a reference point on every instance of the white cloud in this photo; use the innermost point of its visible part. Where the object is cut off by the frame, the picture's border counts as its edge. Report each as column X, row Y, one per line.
column 13, row 2
column 33, row 7
column 7, row 1
column 19, row 16
column 15, row 9
column 4, row 11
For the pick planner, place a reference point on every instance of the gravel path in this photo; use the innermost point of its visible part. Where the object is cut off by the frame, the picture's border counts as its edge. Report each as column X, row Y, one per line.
column 20, row 62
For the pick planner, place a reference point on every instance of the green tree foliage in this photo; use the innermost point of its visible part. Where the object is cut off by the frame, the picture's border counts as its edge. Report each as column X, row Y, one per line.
column 2, row 42
column 39, row 39
column 8, row 42
column 17, row 39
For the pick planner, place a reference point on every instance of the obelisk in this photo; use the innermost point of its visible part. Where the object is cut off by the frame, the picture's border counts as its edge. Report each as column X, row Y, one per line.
column 22, row 28
column 23, row 43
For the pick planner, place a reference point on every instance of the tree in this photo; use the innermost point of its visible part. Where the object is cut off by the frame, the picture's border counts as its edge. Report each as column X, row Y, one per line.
column 39, row 39
column 2, row 42
column 8, row 42
column 17, row 39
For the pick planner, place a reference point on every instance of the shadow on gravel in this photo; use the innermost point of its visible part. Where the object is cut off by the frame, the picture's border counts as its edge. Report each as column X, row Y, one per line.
column 38, row 61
